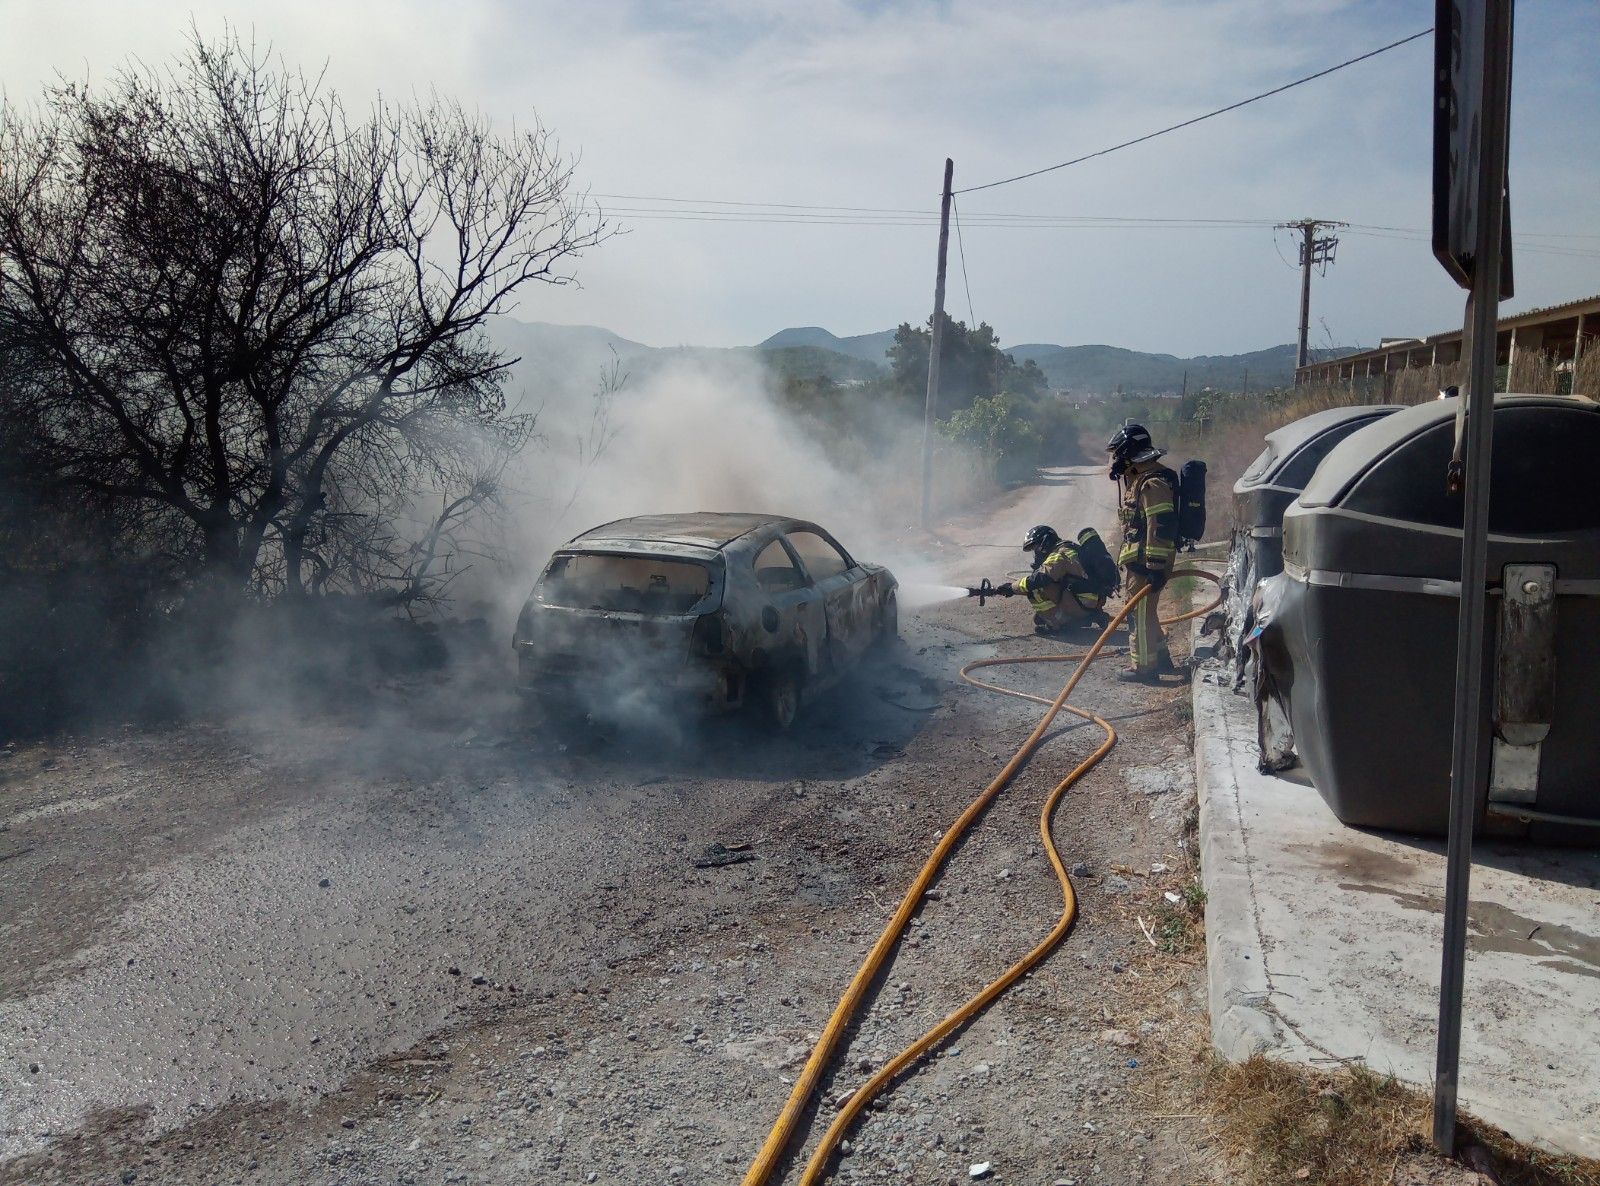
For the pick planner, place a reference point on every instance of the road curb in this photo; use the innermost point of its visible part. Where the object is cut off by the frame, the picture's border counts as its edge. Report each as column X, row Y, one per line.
column 1236, row 970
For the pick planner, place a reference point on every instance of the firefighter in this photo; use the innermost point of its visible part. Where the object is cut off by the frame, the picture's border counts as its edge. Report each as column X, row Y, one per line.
column 1149, row 514
column 1058, row 589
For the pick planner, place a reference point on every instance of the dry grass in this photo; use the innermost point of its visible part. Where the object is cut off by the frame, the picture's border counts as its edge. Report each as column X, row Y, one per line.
column 1536, row 374
column 1586, row 375
column 1233, row 434
column 1180, row 928
column 1284, row 1124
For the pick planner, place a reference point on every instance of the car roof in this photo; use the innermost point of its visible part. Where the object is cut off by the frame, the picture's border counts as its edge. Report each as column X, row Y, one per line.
column 704, row 529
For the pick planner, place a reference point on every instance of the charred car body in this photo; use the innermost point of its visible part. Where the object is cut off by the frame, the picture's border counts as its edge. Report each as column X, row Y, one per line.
column 717, row 610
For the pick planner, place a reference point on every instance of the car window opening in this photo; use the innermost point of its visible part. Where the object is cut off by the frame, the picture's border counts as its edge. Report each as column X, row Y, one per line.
column 632, row 584
column 821, row 558
column 775, row 569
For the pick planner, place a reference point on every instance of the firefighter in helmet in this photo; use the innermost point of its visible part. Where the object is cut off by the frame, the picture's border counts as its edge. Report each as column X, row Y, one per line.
column 1149, row 514
column 1058, row 589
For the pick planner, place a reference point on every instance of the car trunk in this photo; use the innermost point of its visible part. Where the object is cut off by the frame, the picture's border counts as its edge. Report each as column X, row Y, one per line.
column 613, row 611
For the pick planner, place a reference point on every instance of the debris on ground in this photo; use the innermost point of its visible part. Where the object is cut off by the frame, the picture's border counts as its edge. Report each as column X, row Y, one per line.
column 724, row 854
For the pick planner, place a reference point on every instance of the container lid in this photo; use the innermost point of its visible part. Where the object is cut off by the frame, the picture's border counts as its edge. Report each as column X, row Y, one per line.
column 1286, row 444
column 1395, row 467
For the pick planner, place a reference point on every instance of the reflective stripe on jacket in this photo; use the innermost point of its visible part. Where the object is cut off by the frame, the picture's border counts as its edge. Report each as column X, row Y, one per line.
column 1053, row 580
column 1149, row 514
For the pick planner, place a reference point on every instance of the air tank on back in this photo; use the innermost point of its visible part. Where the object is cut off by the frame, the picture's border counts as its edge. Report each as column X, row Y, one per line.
column 1364, row 634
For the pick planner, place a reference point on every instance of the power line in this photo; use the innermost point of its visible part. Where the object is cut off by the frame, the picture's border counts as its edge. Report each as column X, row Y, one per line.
column 1372, row 53
column 1545, row 243
column 1404, row 235
column 961, row 250
column 773, row 212
column 738, row 207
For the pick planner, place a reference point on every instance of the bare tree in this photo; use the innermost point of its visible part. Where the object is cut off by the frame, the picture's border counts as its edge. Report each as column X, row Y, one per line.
column 224, row 299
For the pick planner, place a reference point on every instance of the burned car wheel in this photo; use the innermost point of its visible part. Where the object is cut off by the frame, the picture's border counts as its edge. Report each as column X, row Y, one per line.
column 888, row 624
column 778, row 697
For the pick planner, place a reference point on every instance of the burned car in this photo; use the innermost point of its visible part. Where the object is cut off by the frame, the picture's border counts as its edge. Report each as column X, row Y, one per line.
column 712, row 610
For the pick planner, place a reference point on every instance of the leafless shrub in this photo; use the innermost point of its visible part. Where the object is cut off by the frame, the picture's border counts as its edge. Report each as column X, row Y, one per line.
column 238, row 320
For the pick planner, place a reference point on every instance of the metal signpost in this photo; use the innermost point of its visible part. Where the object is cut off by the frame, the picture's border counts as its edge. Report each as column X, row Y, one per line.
column 1472, row 100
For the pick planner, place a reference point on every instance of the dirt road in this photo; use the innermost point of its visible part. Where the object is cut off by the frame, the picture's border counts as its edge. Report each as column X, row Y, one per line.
column 431, row 944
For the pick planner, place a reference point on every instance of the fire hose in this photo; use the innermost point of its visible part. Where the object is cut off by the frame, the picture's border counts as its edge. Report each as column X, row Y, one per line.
column 805, row 1084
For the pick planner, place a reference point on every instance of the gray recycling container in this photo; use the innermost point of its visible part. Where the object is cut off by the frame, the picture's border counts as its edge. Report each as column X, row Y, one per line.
column 1280, row 473
column 1367, row 621
column 1261, row 495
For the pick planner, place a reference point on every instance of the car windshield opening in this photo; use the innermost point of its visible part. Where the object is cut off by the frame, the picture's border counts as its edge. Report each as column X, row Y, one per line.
column 634, row 584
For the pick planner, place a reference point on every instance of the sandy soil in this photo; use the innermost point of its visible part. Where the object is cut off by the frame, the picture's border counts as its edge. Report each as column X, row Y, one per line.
column 440, row 944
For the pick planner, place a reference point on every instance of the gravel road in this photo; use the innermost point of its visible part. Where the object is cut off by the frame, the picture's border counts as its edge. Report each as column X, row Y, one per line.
column 434, row 943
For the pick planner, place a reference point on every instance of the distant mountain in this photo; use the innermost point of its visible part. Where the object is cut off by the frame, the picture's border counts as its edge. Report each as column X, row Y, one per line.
column 559, row 361
column 873, row 348
column 1102, row 370
column 1091, row 370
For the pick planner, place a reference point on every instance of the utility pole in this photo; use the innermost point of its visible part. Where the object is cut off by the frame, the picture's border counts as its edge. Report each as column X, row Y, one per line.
column 1312, row 251
column 930, row 406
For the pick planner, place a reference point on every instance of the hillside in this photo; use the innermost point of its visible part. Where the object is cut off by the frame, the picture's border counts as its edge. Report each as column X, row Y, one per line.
column 1102, row 370
column 1093, row 369
column 871, row 348
column 562, row 360
column 557, row 362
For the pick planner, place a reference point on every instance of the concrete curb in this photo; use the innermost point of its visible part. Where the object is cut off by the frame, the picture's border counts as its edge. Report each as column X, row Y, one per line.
column 1322, row 943
column 1236, row 969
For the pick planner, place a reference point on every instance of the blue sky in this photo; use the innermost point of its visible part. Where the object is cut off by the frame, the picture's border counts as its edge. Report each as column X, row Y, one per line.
column 828, row 103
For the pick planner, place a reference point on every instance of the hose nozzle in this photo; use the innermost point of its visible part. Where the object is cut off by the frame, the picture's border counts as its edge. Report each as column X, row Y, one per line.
column 982, row 591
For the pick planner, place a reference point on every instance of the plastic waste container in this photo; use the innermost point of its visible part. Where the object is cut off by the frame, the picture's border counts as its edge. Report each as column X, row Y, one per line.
column 1364, row 632
column 1280, row 473
column 1265, row 490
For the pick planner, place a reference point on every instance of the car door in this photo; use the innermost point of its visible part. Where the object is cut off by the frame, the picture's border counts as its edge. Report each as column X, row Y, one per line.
column 798, row 621
column 845, row 591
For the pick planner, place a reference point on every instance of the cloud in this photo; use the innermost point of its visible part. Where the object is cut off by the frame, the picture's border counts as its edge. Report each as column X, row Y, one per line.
column 858, row 104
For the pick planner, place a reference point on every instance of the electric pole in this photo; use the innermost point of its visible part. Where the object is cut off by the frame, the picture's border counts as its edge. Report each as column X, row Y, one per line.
column 930, row 406
column 1312, row 251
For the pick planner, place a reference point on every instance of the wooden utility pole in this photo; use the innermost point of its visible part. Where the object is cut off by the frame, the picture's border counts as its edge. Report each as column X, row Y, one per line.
column 931, row 405
column 1312, row 251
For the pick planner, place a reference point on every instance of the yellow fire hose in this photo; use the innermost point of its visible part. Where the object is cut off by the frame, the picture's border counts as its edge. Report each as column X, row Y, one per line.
column 788, row 1120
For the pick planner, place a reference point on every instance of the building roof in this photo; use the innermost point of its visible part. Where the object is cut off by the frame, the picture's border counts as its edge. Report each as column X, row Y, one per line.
column 1543, row 313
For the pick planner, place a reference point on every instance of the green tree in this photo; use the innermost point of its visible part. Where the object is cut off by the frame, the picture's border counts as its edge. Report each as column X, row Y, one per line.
column 994, row 427
column 971, row 364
